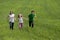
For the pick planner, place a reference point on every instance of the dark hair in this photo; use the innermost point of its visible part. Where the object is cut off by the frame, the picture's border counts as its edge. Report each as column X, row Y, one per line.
column 10, row 12
column 32, row 11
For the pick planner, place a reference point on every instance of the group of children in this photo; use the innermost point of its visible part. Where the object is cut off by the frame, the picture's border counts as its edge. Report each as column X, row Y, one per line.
column 20, row 19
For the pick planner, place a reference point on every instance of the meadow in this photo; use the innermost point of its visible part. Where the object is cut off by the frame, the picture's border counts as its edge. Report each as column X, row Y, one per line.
column 47, row 22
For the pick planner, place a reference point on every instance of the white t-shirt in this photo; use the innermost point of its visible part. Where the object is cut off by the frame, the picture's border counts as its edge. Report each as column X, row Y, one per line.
column 20, row 20
column 11, row 18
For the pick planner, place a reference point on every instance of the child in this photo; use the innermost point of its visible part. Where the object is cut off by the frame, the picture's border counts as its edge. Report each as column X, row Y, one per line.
column 20, row 18
column 31, row 19
column 11, row 19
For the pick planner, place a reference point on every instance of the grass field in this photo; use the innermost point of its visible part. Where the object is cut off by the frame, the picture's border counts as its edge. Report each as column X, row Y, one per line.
column 47, row 23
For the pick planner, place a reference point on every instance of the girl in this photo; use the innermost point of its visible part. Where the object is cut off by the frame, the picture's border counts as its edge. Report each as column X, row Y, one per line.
column 20, row 18
column 11, row 19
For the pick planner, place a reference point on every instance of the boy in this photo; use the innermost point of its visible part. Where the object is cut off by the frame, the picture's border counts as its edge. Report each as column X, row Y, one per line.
column 31, row 19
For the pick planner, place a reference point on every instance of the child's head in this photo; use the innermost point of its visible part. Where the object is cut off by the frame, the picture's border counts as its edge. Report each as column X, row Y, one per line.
column 32, row 11
column 20, row 15
column 11, row 12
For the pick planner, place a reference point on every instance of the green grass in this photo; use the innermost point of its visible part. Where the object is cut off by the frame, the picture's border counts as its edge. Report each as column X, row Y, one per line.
column 47, row 23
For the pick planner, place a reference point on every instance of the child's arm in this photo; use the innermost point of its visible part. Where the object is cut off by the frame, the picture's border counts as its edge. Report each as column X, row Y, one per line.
column 35, row 18
column 35, row 15
column 14, row 18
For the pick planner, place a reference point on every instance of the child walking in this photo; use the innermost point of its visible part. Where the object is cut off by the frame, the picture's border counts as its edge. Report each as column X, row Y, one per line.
column 11, row 19
column 31, row 19
column 20, row 18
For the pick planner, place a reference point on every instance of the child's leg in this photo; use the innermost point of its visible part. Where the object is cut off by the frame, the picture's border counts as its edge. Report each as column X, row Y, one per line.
column 32, row 24
column 21, row 25
column 10, row 24
column 29, row 23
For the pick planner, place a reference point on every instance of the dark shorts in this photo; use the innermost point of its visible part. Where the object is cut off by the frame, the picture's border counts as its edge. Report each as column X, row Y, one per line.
column 31, row 24
column 20, row 25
